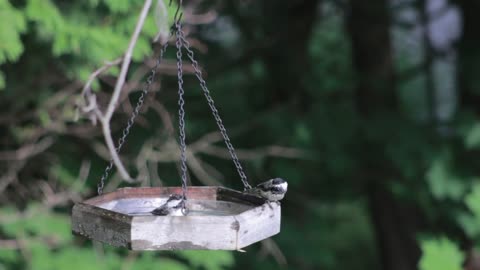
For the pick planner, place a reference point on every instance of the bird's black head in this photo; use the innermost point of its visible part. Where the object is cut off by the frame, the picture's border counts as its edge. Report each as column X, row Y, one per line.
column 175, row 197
column 278, row 181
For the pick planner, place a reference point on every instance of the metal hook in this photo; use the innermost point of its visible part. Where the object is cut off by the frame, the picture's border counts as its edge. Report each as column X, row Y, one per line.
column 184, row 207
column 176, row 17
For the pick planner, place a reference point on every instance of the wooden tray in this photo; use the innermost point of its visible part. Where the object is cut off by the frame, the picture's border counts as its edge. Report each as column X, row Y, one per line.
column 218, row 219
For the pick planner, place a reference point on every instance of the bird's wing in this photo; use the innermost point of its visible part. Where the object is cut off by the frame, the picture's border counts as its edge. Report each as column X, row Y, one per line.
column 160, row 211
column 253, row 191
column 264, row 186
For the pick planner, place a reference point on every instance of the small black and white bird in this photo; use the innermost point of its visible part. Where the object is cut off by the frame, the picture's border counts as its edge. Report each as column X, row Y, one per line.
column 174, row 206
column 272, row 190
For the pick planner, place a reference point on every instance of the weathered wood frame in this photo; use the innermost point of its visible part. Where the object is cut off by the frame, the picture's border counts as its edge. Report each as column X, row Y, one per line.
column 231, row 232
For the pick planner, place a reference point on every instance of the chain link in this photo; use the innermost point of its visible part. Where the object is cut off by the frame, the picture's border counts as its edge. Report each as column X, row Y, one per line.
column 131, row 120
column 181, row 111
column 181, row 41
column 215, row 113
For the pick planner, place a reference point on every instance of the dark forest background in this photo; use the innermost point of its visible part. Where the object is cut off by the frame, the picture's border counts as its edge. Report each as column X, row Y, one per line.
column 370, row 110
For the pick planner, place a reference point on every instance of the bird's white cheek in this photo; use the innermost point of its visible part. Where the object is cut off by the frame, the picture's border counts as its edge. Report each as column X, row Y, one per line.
column 177, row 213
column 173, row 203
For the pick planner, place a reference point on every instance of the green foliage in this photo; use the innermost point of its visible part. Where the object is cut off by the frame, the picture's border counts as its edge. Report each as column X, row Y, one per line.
column 49, row 242
column 471, row 221
column 330, row 51
column 65, row 176
column 443, row 182
column 76, row 34
column 148, row 260
column 211, row 260
column 445, row 254
column 473, row 200
column 80, row 36
column 70, row 257
column 48, row 49
column 2, row 81
column 11, row 46
column 472, row 137
column 335, row 231
column 440, row 254
column 38, row 223
column 119, row 6
column 8, row 256
column 81, row 32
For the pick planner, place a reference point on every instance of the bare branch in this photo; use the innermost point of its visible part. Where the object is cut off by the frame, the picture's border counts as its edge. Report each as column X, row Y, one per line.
column 83, row 173
column 210, row 169
column 269, row 246
column 11, row 175
column 19, row 158
column 204, row 18
column 27, row 151
column 91, row 104
column 52, row 199
column 126, row 61
column 198, row 170
column 164, row 115
column 91, row 107
column 108, row 64
column 207, row 140
column 153, row 173
column 105, row 120
column 206, row 173
column 247, row 154
column 10, row 244
column 113, row 151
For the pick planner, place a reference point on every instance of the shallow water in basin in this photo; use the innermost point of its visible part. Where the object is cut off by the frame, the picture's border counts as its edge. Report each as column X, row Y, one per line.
column 190, row 213
column 144, row 206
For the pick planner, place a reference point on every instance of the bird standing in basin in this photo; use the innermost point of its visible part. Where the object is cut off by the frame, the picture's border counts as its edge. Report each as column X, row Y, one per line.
column 174, row 206
column 272, row 190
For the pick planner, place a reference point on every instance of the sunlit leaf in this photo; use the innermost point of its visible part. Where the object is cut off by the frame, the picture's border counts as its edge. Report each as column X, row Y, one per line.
column 470, row 221
column 472, row 137
column 212, row 260
column 440, row 254
column 14, row 25
column 442, row 180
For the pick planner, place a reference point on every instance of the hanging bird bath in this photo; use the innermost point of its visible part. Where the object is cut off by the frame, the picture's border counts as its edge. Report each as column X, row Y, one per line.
column 218, row 218
column 212, row 218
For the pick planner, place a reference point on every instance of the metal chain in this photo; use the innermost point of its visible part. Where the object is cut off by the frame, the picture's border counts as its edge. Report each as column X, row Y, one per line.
column 181, row 41
column 215, row 113
column 131, row 120
column 181, row 111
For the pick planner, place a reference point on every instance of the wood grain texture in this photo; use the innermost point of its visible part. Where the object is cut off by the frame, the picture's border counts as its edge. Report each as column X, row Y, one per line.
column 101, row 225
column 258, row 223
column 226, row 194
column 189, row 232
column 205, row 193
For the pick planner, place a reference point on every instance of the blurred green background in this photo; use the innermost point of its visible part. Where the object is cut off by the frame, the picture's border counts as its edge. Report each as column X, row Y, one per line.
column 370, row 110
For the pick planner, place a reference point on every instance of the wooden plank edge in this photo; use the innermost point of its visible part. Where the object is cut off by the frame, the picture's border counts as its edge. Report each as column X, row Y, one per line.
column 231, row 195
column 84, row 216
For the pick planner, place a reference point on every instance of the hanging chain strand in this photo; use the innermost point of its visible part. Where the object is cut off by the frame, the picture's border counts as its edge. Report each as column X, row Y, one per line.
column 181, row 111
column 216, row 115
column 134, row 115
column 181, row 41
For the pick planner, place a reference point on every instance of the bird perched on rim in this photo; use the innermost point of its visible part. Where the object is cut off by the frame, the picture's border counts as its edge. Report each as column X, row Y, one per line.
column 174, row 206
column 272, row 190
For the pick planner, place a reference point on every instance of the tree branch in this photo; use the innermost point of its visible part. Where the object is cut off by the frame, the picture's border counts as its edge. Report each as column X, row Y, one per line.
column 27, row 151
column 126, row 60
column 91, row 104
column 108, row 64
